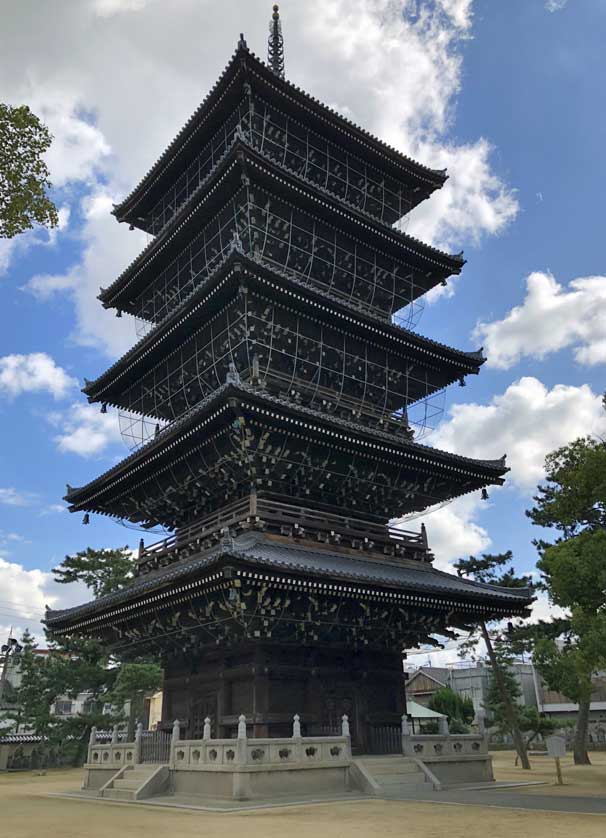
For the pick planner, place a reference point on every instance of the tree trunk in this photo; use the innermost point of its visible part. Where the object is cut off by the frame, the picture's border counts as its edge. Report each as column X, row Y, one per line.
column 516, row 733
column 581, row 757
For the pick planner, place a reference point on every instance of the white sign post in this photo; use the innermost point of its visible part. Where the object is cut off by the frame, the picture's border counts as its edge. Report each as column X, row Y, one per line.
column 556, row 748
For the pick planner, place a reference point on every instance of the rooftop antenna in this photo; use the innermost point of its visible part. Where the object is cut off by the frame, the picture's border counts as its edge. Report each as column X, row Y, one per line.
column 275, row 44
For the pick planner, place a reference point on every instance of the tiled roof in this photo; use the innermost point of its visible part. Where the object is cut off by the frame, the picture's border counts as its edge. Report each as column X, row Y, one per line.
column 261, row 551
column 406, row 164
column 411, row 340
column 445, row 261
column 243, row 390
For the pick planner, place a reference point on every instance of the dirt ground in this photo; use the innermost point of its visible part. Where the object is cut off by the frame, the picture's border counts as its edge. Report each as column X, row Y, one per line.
column 27, row 812
column 579, row 780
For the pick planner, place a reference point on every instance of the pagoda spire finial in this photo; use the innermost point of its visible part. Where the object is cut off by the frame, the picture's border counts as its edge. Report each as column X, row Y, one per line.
column 275, row 44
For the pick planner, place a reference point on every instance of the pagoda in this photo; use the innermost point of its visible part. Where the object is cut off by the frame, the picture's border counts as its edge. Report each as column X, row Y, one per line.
column 280, row 387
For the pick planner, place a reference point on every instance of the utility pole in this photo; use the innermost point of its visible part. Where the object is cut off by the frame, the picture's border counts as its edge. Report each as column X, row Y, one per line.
column 10, row 650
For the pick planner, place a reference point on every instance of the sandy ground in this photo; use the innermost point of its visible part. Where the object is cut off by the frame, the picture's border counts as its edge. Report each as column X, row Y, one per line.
column 27, row 812
column 579, row 780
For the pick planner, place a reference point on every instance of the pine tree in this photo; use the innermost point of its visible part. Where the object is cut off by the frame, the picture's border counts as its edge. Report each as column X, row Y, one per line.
column 572, row 501
column 498, row 570
column 102, row 571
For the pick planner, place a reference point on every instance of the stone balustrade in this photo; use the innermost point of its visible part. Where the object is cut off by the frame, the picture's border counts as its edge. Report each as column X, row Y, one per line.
column 110, row 755
column 432, row 746
column 443, row 744
column 188, row 754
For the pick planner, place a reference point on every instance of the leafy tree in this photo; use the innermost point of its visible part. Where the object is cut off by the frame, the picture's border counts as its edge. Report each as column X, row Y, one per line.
column 35, row 694
column 24, row 176
column 134, row 681
column 498, row 570
column 459, row 709
column 572, row 501
column 102, row 571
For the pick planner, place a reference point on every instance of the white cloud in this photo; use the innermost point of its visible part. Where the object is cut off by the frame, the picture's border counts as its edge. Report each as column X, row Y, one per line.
column 526, row 422
column 85, row 431
column 107, row 8
column 452, row 531
column 9, row 496
column 555, row 5
column 78, row 148
column 25, row 593
column 36, row 372
column 35, row 237
column 543, row 609
column 551, row 317
column 394, row 67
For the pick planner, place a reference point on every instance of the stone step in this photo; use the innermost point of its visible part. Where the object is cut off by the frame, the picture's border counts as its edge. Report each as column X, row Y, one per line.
column 139, row 775
column 128, row 783
column 118, row 794
column 394, row 788
column 400, row 779
column 408, row 768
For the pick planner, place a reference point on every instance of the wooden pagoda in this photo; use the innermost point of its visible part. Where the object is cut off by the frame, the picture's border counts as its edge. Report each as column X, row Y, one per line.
column 280, row 385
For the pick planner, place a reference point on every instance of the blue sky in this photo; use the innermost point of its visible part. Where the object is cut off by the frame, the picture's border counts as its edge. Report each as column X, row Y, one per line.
column 507, row 95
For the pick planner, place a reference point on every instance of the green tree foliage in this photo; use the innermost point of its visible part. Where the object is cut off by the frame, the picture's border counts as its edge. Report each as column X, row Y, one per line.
column 77, row 665
column 38, row 688
column 459, row 709
column 497, row 570
column 134, row 682
column 572, row 502
column 24, row 176
column 102, row 571
column 528, row 719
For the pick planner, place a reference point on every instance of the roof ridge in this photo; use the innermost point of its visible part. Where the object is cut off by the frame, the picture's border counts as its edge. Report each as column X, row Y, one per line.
column 183, row 310
column 250, row 391
column 198, row 197
column 403, row 161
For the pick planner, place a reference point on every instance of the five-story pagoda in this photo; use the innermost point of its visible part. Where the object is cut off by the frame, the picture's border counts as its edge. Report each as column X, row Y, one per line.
column 281, row 390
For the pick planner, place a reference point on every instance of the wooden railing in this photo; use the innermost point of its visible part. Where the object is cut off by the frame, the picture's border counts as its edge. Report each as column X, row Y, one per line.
column 256, row 513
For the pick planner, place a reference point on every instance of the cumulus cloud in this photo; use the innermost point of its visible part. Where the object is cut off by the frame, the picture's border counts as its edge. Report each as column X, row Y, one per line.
column 36, row 372
column 26, row 593
column 394, row 67
column 83, row 430
column 555, row 5
column 551, row 317
column 107, row 8
column 9, row 496
column 452, row 531
column 526, row 422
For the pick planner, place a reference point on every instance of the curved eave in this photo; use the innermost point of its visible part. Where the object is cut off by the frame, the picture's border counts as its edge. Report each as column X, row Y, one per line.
column 400, row 340
column 242, row 155
column 242, row 63
column 302, row 561
column 490, row 472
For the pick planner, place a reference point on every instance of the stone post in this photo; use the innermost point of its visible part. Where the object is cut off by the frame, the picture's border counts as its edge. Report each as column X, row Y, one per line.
column 115, row 737
column 207, row 734
column 92, row 741
column 481, row 721
column 138, row 737
column 443, row 726
column 175, row 736
column 346, row 733
column 406, row 734
column 240, row 779
column 241, row 742
column 297, row 739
